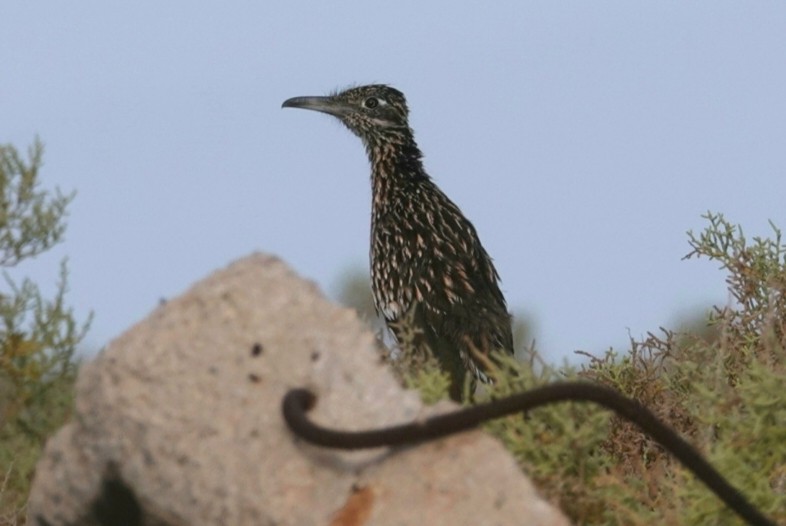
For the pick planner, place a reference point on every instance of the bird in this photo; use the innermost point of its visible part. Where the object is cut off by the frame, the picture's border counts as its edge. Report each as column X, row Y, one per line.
column 430, row 274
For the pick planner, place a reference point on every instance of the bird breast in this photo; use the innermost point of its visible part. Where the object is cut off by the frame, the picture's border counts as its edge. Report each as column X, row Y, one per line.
column 411, row 264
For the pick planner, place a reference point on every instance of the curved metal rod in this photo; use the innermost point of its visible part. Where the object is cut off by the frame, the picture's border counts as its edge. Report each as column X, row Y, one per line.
column 297, row 402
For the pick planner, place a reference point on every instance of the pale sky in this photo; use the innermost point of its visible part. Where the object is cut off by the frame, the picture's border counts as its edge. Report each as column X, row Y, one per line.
column 583, row 139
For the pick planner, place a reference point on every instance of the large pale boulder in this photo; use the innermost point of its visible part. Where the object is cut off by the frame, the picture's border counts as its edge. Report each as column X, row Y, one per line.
column 178, row 422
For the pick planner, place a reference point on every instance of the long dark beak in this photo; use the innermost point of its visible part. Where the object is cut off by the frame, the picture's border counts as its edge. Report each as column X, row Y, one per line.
column 327, row 105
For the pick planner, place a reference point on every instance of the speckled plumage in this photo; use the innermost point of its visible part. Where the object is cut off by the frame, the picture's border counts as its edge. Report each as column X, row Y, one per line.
column 427, row 263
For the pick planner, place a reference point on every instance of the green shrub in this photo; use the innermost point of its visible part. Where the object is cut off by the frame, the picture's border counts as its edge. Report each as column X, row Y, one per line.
column 38, row 336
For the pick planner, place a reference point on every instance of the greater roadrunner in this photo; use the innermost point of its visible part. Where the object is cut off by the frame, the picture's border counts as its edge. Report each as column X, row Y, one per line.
column 429, row 271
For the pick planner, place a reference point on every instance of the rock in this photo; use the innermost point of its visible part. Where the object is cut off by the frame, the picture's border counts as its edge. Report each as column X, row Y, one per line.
column 178, row 422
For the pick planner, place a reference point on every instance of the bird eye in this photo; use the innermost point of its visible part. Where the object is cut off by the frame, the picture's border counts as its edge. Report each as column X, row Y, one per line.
column 371, row 103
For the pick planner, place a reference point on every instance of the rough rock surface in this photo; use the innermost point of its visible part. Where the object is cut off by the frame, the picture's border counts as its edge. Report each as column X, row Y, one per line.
column 178, row 421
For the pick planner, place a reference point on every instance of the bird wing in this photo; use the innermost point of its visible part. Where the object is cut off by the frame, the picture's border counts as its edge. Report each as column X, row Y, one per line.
column 456, row 282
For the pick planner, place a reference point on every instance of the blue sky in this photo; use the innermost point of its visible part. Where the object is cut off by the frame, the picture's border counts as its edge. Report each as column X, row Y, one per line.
column 583, row 139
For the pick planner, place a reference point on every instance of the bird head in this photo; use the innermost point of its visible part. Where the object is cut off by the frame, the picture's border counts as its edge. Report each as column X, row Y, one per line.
column 369, row 111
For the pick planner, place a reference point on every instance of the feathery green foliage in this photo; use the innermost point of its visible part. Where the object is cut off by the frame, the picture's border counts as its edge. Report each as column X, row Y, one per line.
column 38, row 336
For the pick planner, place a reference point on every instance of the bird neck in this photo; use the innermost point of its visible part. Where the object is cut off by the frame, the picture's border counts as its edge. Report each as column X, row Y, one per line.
column 396, row 167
